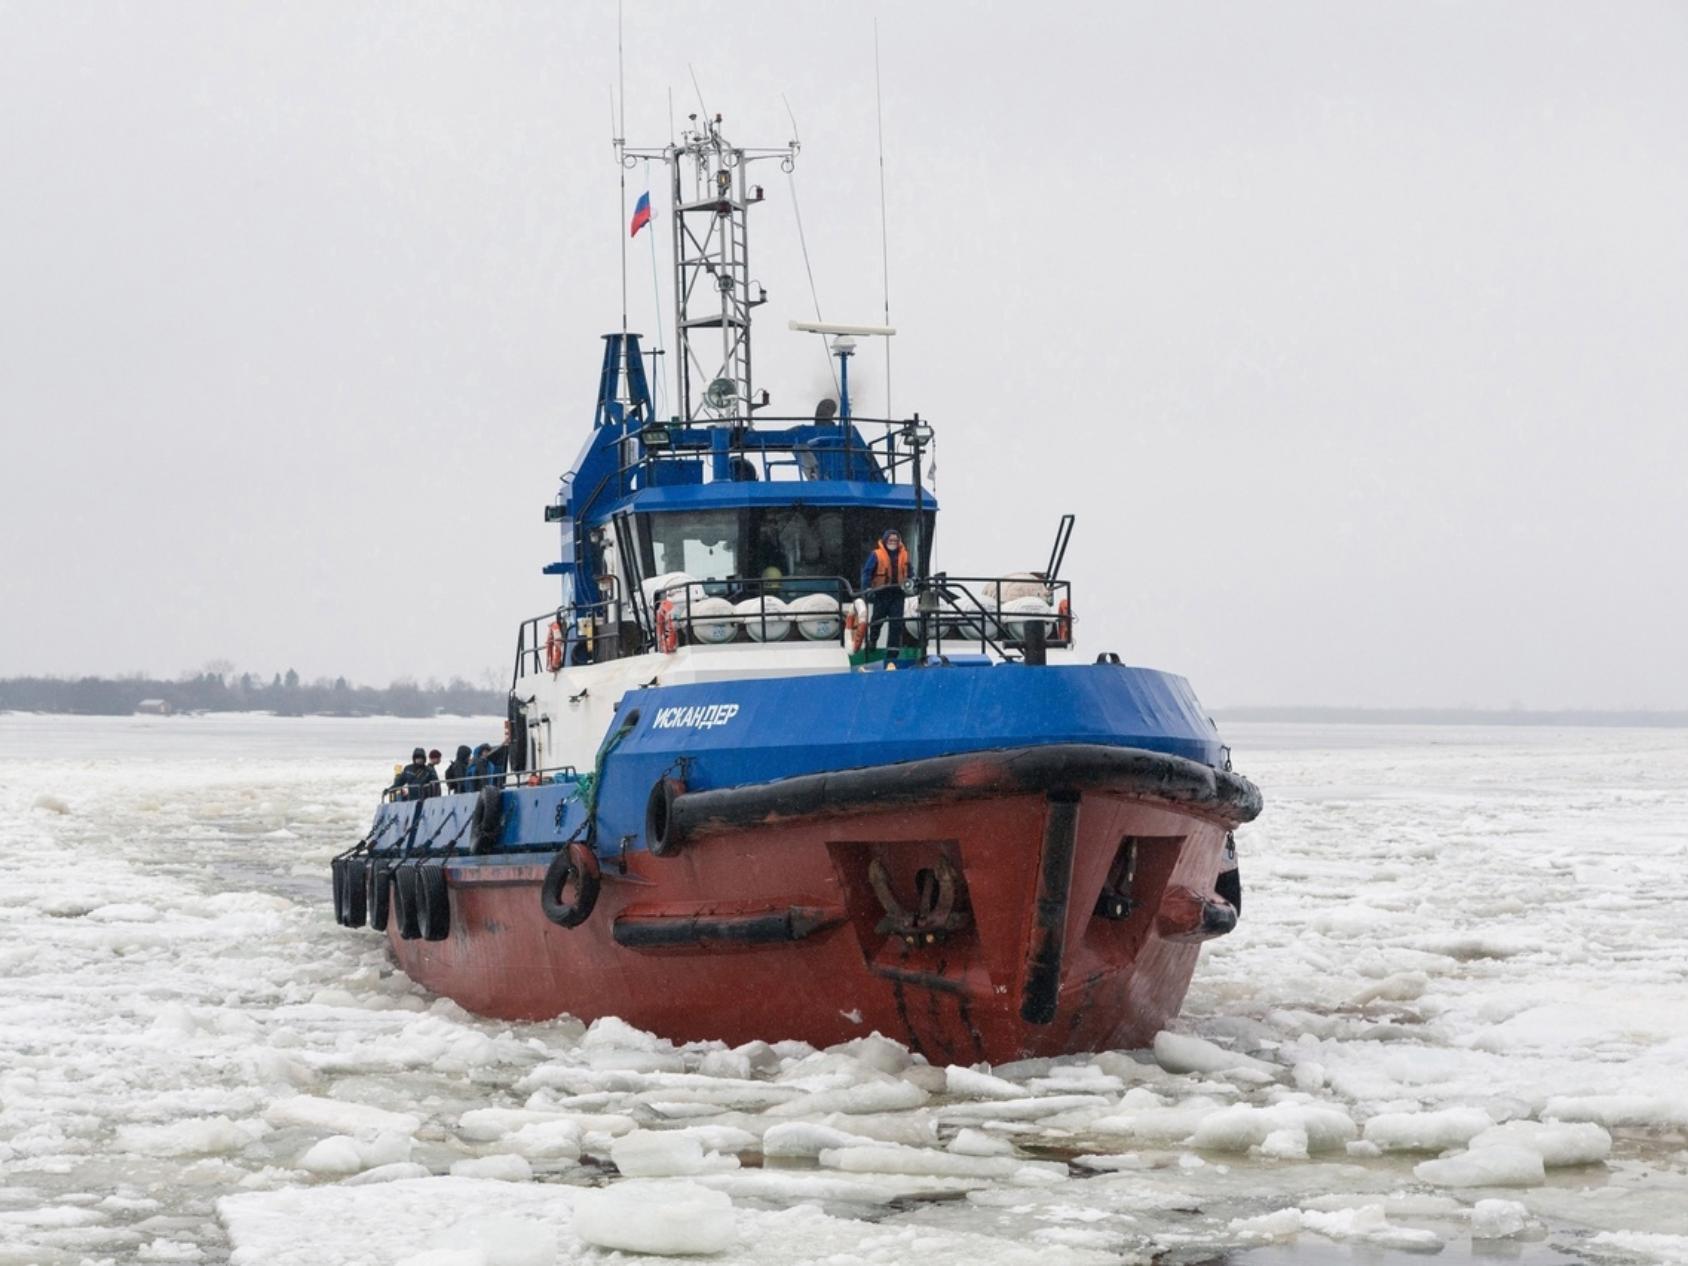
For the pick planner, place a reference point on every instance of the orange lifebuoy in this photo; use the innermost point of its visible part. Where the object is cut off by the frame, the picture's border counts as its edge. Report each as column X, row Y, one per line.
column 856, row 627
column 1064, row 621
column 667, row 635
column 554, row 647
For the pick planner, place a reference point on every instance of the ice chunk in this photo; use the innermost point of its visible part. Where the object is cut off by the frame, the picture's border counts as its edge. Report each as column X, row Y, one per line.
column 877, row 1052
column 386, row 1173
column 1502, row 1165
column 667, row 1218
column 505, row 1241
column 1498, row 1219
column 1282, row 1224
column 505, row 1167
column 487, row 1125
column 1181, row 1053
column 872, row 1096
column 1236, row 1129
column 965, row 1083
column 808, row 1138
column 1559, row 1143
column 339, row 1116
column 969, row 1142
column 1029, row 1109
column 665, row 1153
column 201, row 1136
column 920, row 1160
column 1426, row 1131
column 546, row 1140
column 1367, row 1223
column 337, row 1154
column 1615, row 1110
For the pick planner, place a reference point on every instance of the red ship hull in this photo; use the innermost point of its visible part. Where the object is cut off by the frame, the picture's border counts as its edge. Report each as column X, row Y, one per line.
column 970, row 926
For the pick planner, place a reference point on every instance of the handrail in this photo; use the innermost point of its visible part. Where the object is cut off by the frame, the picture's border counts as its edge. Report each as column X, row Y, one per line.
column 875, row 460
column 959, row 610
column 501, row 780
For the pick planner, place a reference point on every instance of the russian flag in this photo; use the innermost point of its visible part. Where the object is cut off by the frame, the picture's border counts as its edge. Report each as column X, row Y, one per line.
column 641, row 214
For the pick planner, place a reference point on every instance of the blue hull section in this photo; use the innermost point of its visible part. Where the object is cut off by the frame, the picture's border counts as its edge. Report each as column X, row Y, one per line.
column 731, row 733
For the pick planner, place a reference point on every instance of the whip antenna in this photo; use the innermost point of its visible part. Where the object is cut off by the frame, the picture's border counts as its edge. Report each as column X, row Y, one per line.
column 619, row 125
column 884, row 236
column 814, row 294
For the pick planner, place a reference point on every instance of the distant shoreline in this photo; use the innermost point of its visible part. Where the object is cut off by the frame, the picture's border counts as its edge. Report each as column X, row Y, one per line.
column 1593, row 717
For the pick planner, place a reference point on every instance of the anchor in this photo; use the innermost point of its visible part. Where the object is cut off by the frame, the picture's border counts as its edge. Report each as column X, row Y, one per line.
column 934, row 915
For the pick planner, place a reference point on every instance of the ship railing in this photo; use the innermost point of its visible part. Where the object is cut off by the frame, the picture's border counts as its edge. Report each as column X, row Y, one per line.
column 863, row 450
column 1013, row 617
column 758, row 609
column 577, row 633
column 472, row 785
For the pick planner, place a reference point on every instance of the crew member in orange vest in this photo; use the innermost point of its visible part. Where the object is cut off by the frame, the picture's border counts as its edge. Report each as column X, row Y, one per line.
column 882, row 576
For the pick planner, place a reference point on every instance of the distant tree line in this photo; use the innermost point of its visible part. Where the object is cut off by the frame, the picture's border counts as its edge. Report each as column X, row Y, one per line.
column 223, row 691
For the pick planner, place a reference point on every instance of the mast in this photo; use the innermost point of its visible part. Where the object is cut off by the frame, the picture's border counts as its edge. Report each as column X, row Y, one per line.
column 710, row 201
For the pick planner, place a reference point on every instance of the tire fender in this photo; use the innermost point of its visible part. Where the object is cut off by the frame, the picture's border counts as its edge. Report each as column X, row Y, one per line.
column 662, row 837
column 570, row 889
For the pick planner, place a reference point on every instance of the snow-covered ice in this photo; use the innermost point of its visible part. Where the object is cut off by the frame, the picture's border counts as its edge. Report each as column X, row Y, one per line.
column 1451, row 1013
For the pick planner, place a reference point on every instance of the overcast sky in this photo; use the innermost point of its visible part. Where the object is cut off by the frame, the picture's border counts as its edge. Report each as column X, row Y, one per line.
column 1356, row 335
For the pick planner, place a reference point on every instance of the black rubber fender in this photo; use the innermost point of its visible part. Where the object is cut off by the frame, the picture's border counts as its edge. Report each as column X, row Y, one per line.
column 433, row 903
column 571, row 885
column 337, row 869
column 660, row 835
column 357, row 892
column 487, row 819
column 380, row 892
column 1229, row 885
column 404, row 900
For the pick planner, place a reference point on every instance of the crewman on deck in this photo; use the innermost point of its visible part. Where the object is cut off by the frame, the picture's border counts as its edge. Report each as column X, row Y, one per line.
column 457, row 773
column 487, row 766
column 883, row 574
column 417, row 780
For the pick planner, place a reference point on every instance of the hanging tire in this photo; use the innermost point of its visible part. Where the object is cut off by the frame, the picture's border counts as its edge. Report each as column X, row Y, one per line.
column 433, row 905
column 660, row 836
column 1229, row 885
column 570, row 889
column 379, row 893
column 338, row 870
column 404, row 900
column 487, row 820
column 357, row 892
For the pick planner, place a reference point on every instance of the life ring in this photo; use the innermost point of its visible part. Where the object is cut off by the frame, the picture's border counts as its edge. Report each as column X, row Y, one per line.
column 486, row 820
column 667, row 635
column 660, row 836
column 1064, row 621
column 554, row 647
column 433, row 905
column 856, row 624
column 570, row 889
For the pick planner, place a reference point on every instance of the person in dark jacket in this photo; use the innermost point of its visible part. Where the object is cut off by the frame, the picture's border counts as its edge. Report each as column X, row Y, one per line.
column 883, row 574
column 417, row 780
column 486, row 767
column 457, row 773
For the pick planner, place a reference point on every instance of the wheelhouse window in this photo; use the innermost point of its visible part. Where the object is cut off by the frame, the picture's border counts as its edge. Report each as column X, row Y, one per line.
column 774, row 543
column 704, row 544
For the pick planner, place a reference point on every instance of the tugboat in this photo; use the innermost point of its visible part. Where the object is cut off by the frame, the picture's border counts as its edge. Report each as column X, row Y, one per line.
column 727, row 812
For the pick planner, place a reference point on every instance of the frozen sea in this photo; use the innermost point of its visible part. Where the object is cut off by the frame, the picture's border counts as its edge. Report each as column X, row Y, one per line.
column 1453, row 1021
